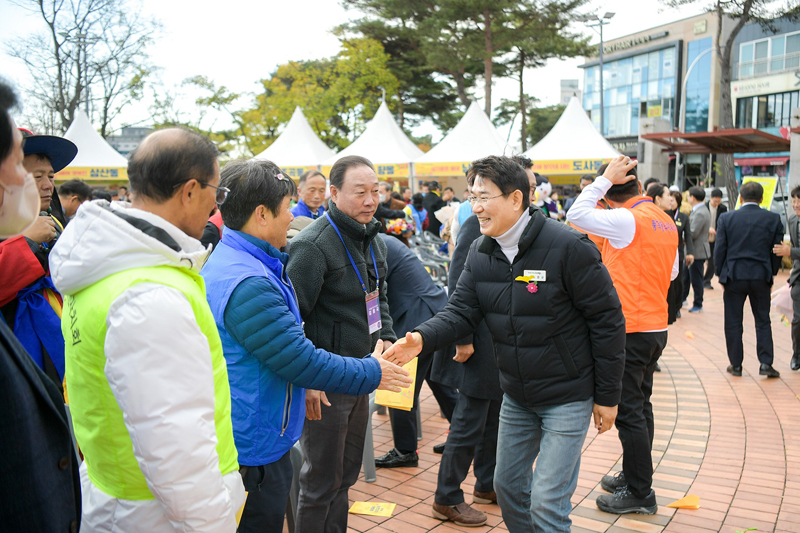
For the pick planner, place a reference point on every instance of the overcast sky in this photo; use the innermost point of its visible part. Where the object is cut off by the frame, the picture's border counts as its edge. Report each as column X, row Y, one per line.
column 238, row 42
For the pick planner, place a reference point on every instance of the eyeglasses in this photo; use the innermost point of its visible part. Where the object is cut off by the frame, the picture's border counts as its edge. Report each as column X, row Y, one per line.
column 222, row 192
column 482, row 201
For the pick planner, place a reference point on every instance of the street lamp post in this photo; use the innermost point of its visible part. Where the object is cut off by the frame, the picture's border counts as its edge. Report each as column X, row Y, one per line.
column 596, row 21
column 682, row 112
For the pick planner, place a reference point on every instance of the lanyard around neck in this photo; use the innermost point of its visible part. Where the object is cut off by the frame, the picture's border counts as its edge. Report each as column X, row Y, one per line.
column 374, row 263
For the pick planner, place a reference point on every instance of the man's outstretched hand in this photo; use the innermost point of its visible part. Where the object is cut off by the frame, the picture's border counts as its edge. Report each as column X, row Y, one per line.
column 405, row 349
column 394, row 378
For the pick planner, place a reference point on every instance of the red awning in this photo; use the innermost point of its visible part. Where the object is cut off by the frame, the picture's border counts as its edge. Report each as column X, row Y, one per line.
column 760, row 161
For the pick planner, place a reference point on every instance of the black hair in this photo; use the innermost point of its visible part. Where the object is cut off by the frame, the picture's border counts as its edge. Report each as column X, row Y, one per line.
column 156, row 171
column 450, row 189
column 587, row 177
column 624, row 192
column 678, row 198
column 77, row 188
column 406, row 189
column 795, row 192
column 8, row 100
column 523, row 161
column 648, row 182
column 716, row 193
column 309, row 174
column 340, row 167
column 417, row 201
column 99, row 193
column 655, row 190
column 505, row 173
column 253, row 182
column 752, row 191
column 396, row 196
column 433, row 186
column 698, row 193
column 123, row 187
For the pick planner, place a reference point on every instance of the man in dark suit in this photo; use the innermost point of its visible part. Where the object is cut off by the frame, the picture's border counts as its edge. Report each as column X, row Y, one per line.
column 697, row 247
column 432, row 203
column 413, row 299
column 745, row 266
column 715, row 209
column 793, row 250
column 39, row 468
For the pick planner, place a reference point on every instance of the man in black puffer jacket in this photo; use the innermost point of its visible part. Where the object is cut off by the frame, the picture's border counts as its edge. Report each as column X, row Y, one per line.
column 559, row 340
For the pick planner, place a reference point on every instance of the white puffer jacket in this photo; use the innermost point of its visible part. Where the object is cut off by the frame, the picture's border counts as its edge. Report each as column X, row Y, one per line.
column 158, row 365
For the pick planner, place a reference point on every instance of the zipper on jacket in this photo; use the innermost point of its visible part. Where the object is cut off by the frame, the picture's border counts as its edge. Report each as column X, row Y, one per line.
column 287, row 407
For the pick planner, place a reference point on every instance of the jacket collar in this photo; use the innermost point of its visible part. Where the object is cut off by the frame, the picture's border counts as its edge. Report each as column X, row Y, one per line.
column 351, row 228
column 489, row 246
column 273, row 258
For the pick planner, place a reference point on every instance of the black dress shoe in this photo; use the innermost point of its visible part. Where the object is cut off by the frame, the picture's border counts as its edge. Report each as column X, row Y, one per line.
column 395, row 459
column 439, row 448
column 767, row 370
column 708, row 286
column 795, row 363
column 735, row 370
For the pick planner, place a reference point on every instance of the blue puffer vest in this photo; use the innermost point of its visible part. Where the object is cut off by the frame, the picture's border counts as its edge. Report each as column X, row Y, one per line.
column 267, row 411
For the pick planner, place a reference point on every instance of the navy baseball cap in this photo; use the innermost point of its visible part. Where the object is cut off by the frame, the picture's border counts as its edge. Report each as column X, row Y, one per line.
column 59, row 150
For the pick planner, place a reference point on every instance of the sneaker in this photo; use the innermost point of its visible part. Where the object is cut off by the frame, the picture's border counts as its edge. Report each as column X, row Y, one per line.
column 487, row 497
column 696, row 309
column 612, row 483
column 624, row 502
column 395, row 459
column 439, row 448
column 461, row 514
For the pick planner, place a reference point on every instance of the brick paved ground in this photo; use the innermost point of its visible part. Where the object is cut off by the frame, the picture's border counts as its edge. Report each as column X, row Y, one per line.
column 734, row 442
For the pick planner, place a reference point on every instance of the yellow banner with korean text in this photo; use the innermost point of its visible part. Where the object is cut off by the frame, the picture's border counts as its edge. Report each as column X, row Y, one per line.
column 441, row 169
column 296, row 172
column 566, row 167
column 104, row 174
column 397, row 170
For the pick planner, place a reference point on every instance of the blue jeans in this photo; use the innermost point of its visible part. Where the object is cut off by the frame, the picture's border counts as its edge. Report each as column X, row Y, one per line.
column 540, row 500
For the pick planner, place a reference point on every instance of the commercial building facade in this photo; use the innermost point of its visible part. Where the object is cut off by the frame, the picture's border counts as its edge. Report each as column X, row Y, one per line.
column 643, row 75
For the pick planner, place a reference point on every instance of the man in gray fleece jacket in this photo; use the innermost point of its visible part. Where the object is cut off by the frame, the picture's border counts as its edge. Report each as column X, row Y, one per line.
column 338, row 269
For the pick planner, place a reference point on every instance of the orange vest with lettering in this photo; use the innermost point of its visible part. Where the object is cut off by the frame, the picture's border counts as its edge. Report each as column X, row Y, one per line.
column 641, row 271
column 599, row 241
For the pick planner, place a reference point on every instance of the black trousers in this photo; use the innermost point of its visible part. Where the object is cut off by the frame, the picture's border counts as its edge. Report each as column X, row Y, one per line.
column 796, row 320
column 635, row 417
column 675, row 295
column 404, row 423
column 696, row 275
column 473, row 435
column 687, row 281
column 268, row 492
column 709, row 266
column 758, row 291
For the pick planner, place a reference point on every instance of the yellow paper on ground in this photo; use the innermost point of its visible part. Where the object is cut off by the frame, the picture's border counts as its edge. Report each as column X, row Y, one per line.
column 239, row 514
column 373, row 508
column 689, row 502
column 405, row 398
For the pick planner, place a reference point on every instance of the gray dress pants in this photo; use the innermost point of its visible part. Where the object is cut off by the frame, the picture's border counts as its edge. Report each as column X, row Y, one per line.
column 332, row 452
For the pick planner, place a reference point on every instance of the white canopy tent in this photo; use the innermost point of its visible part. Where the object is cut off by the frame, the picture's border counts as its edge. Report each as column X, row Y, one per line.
column 572, row 148
column 385, row 144
column 298, row 148
column 96, row 159
column 473, row 137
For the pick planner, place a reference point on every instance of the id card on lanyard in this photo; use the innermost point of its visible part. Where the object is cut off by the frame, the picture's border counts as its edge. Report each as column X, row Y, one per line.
column 372, row 300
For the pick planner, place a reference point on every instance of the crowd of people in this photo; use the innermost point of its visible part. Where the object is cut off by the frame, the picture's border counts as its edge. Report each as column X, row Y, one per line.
column 165, row 348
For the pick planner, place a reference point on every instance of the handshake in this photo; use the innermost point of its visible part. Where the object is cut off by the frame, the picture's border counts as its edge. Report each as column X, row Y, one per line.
column 393, row 376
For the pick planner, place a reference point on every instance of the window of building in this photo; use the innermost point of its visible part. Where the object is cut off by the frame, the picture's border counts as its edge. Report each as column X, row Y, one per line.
column 773, row 54
column 766, row 111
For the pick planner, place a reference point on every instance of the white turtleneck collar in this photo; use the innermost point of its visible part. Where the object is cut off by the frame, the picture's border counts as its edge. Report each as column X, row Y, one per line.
column 509, row 241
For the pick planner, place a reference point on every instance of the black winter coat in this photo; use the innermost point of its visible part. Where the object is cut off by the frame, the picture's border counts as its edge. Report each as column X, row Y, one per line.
column 561, row 344
column 478, row 376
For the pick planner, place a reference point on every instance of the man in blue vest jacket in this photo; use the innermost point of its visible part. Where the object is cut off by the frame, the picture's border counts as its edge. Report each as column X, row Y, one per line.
column 270, row 361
